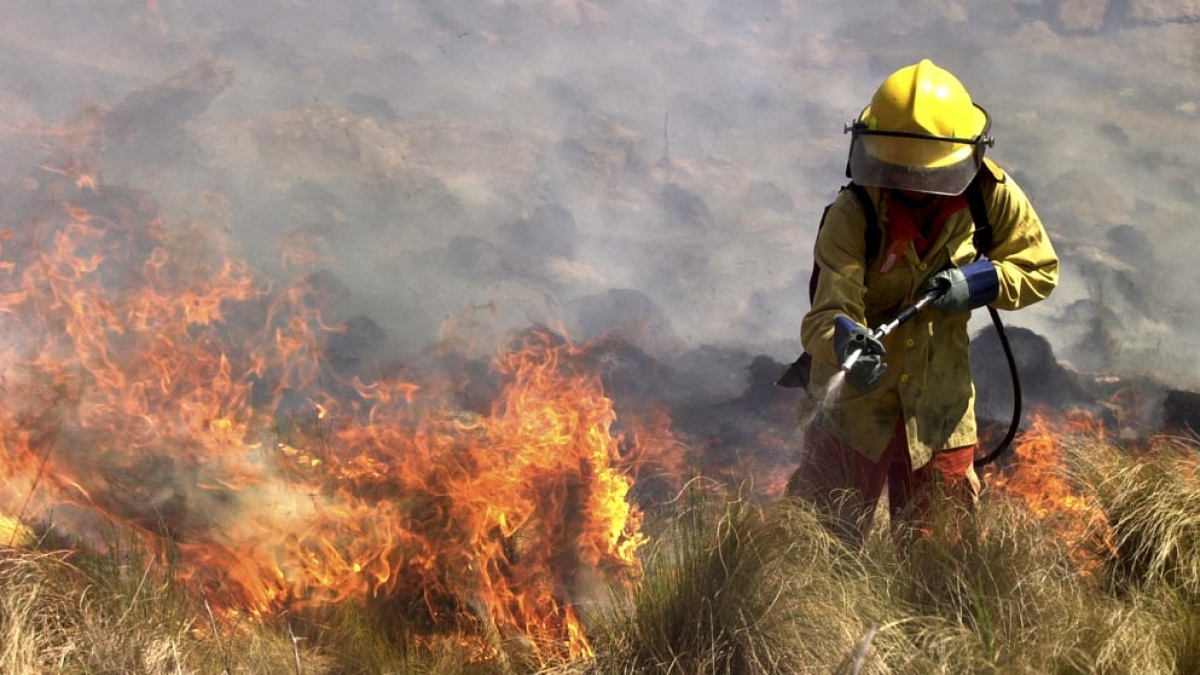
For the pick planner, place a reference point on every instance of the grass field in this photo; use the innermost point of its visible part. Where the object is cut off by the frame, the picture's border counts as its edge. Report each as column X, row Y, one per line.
column 729, row 585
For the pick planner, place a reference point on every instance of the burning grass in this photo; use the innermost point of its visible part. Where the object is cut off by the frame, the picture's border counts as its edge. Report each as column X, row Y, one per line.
column 158, row 392
column 67, row 612
column 730, row 585
column 200, row 474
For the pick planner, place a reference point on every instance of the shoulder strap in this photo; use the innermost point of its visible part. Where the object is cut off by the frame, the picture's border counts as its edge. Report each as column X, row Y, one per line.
column 797, row 373
column 874, row 235
column 816, row 269
column 983, row 227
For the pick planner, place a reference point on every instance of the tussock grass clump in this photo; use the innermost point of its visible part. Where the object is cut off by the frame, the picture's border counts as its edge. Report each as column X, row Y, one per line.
column 983, row 585
column 70, row 612
column 1152, row 504
column 735, row 587
column 994, row 591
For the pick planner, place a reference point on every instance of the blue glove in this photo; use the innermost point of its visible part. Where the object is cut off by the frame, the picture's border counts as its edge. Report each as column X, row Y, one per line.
column 869, row 367
column 964, row 289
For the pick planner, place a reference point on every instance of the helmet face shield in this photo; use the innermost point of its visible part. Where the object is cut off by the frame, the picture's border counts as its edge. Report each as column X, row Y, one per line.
column 901, row 160
column 867, row 169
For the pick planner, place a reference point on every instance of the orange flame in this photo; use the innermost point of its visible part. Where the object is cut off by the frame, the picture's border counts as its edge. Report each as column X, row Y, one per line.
column 152, row 382
column 1038, row 479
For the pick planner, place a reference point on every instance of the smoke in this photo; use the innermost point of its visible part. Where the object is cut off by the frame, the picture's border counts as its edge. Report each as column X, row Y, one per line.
column 656, row 169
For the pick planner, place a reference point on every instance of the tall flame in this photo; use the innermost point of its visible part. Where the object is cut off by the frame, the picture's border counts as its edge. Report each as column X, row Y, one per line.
column 152, row 383
column 1038, row 478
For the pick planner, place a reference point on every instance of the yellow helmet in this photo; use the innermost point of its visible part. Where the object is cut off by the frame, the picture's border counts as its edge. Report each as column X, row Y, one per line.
column 921, row 132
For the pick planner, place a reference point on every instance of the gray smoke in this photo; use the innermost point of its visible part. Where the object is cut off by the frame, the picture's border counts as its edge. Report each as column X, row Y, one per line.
column 652, row 168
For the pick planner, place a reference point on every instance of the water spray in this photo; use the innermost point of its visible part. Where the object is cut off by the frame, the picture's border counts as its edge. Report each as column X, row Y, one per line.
column 911, row 311
column 797, row 373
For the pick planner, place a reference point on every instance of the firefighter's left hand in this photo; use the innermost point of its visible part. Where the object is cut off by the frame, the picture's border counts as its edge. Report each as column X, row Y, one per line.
column 964, row 288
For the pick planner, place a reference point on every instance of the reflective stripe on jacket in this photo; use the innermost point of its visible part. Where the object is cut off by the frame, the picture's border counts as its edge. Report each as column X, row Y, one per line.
column 928, row 379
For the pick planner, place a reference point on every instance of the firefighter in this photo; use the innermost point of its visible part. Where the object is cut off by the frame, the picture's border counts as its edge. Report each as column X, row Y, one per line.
column 904, row 415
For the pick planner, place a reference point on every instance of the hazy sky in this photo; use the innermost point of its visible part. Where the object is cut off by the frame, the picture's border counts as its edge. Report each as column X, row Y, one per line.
column 653, row 167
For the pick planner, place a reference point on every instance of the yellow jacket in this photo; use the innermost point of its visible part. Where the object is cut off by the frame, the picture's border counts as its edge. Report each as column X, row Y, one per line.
column 928, row 379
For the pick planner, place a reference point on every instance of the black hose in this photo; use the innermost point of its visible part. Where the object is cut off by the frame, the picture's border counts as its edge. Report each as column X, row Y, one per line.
column 1015, row 424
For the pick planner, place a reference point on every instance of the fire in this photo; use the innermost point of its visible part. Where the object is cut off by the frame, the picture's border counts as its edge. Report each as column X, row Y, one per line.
column 83, row 178
column 1037, row 478
column 152, row 383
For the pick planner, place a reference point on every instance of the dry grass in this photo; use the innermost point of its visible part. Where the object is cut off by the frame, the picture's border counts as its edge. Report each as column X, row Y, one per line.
column 739, row 588
column 68, row 612
column 72, row 612
column 1004, row 598
column 730, row 587
column 1152, row 501
column 1003, row 594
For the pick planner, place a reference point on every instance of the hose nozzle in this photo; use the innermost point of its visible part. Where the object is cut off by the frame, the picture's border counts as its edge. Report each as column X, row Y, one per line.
column 854, row 355
column 903, row 316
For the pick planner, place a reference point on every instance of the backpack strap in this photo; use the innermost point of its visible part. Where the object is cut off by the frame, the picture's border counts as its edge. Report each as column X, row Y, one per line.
column 816, row 269
column 873, row 233
column 983, row 227
column 797, row 373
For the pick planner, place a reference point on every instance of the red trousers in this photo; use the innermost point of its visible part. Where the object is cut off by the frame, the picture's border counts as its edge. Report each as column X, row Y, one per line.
column 847, row 486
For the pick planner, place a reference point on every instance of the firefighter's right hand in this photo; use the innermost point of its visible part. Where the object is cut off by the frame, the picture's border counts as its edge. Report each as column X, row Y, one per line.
column 848, row 337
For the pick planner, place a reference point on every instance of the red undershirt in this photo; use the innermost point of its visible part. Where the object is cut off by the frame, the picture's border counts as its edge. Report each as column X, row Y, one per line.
column 918, row 225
